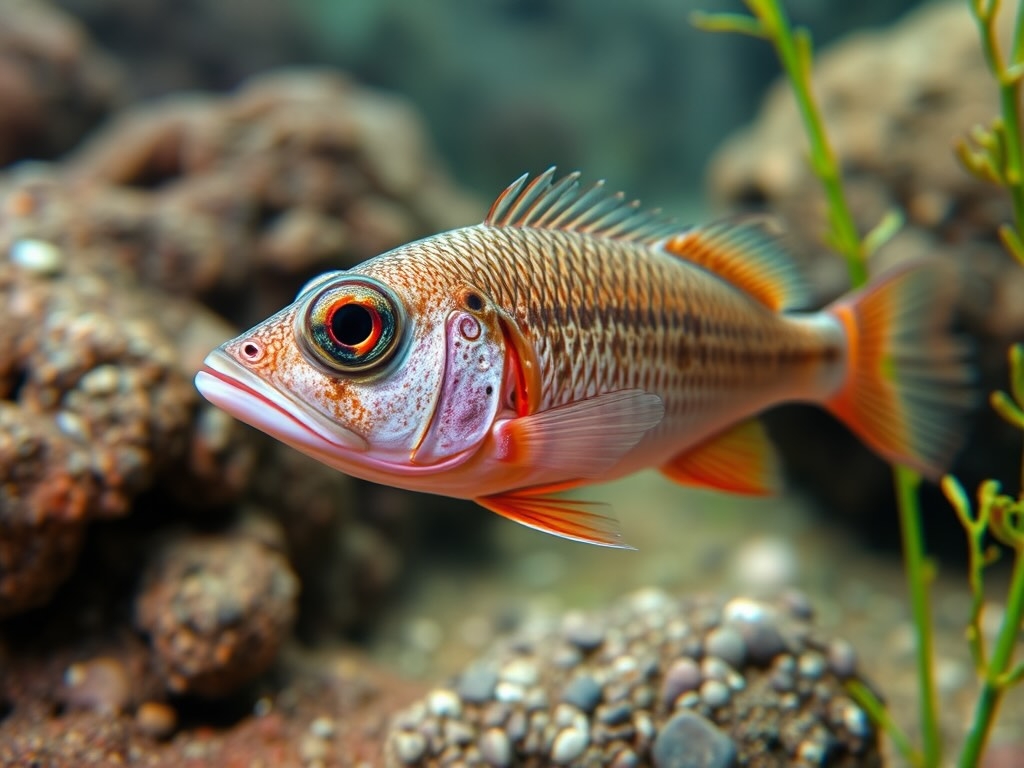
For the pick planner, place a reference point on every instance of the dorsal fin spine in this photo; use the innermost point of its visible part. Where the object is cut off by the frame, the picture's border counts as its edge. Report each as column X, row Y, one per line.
column 546, row 203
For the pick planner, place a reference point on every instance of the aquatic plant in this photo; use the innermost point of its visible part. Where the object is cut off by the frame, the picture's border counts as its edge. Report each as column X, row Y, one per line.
column 994, row 154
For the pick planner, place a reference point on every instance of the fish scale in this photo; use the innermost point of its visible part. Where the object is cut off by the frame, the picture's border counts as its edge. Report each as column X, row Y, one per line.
column 572, row 338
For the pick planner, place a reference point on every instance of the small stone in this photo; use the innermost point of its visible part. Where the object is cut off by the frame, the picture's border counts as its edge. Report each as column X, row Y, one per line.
column 322, row 728
column 476, row 685
column 688, row 740
column 625, row 759
column 583, row 632
column 799, row 605
column 766, row 564
column 156, row 719
column 684, row 675
column 726, row 644
column 842, row 658
column 613, row 714
column 756, row 625
column 444, row 703
column 811, row 665
column 409, row 747
column 37, row 256
column 569, row 744
column 856, row 721
column 457, row 733
column 100, row 684
column 510, row 693
column 715, row 694
column 583, row 692
column 712, row 668
column 496, row 748
column 521, row 672
column 811, row 752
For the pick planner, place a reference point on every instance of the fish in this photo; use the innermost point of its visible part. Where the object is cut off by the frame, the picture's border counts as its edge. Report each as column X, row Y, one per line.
column 572, row 338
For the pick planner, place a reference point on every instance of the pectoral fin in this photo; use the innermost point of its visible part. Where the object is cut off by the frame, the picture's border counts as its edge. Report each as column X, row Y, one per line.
column 739, row 460
column 583, row 439
column 573, row 519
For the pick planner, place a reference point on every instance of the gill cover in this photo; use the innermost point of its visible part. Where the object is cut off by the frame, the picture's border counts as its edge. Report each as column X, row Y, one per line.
column 471, row 387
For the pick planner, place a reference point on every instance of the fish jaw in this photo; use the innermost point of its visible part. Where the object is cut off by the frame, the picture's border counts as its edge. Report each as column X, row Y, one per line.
column 231, row 387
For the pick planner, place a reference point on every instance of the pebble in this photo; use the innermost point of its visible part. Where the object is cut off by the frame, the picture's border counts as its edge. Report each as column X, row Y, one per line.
column 682, row 676
column 444, row 703
column 766, row 565
column 322, row 728
column 856, row 721
column 496, row 748
column 614, row 714
column 714, row 669
column 625, row 759
column 688, row 740
column 37, row 256
column 583, row 632
column 101, row 684
column 726, row 644
column 409, row 747
column 477, row 683
column 156, row 719
column 842, row 658
column 811, row 665
column 583, row 692
column 756, row 625
column 521, row 672
column 715, row 694
column 569, row 744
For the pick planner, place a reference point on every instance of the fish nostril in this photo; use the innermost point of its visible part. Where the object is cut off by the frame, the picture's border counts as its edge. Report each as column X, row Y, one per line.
column 252, row 351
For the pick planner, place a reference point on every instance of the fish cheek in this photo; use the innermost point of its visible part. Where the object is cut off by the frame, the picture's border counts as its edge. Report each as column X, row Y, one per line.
column 471, row 387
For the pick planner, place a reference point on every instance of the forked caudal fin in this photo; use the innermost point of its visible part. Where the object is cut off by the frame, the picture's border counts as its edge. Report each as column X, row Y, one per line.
column 908, row 383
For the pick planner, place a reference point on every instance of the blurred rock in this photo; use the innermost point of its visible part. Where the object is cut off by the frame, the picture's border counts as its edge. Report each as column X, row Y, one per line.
column 54, row 83
column 216, row 609
column 643, row 688
column 240, row 199
column 895, row 102
column 93, row 407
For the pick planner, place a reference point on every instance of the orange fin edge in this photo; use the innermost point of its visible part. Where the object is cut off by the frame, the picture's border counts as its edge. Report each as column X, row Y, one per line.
column 909, row 384
column 739, row 460
column 573, row 519
column 747, row 254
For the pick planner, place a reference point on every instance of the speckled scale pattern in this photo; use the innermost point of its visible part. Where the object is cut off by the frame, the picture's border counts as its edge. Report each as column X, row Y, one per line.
column 605, row 314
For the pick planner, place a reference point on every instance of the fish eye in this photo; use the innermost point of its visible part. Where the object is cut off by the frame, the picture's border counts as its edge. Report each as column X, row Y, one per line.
column 351, row 326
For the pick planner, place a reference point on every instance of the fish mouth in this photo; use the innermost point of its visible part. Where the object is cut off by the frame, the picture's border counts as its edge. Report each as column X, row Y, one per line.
column 235, row 389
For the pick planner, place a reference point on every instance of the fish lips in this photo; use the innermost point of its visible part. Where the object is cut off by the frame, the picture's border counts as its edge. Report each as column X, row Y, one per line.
column 232, row 387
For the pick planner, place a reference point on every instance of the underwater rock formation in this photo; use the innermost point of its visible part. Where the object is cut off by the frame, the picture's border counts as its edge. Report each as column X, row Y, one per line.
column 242, row 198
column 236, row 200
column 54, row 83
column 216, row 610
column 93, row 405
column 895, row 101
column 644, row 683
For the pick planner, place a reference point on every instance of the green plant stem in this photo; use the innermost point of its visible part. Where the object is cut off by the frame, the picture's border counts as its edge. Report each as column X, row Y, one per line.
column 794, row 51
column 877, row 711
column 996, row 681
column 918, row 579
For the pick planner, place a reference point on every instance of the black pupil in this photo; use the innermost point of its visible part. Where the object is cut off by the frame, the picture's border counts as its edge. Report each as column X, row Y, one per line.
column 474, row 302
column 351, row 324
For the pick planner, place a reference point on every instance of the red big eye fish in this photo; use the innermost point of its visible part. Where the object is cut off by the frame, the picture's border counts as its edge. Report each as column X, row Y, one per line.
column 572, row 338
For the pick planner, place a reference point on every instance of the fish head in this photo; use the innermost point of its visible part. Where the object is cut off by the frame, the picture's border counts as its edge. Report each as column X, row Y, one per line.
column 378, row 375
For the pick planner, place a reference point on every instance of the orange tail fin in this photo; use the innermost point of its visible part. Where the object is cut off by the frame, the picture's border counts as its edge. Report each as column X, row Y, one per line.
column 908, row 383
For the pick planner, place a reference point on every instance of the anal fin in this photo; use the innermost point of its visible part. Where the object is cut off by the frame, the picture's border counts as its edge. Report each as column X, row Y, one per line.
column 573, row 519
column 740, row 460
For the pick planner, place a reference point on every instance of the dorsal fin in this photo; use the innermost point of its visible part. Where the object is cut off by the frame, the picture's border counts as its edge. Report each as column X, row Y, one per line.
column 564, row 205
column 744, row 253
